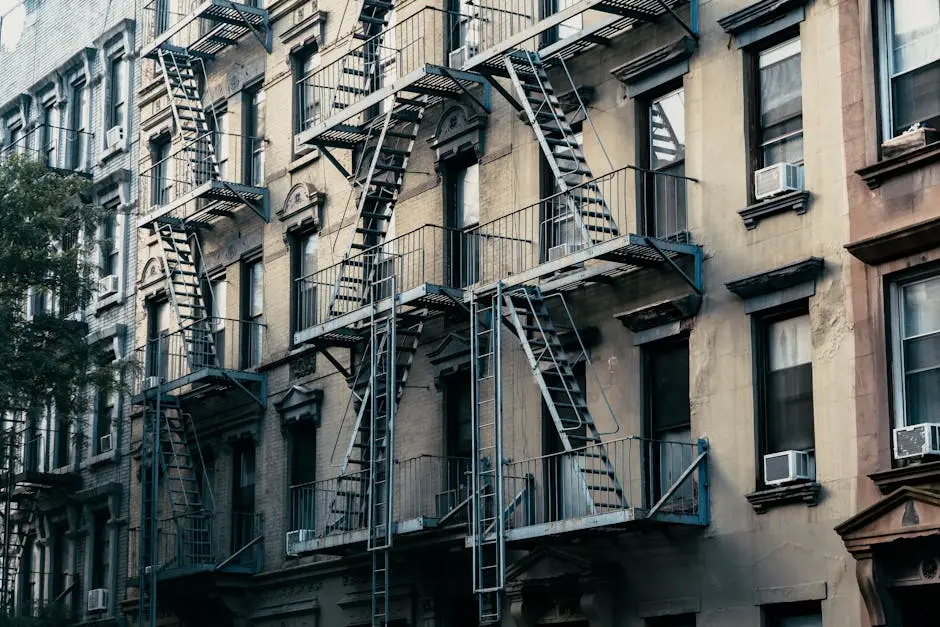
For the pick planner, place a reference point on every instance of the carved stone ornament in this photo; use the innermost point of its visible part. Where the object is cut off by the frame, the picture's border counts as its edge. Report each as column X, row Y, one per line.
column 301, row 207
column 458, row 131
column 152, row 272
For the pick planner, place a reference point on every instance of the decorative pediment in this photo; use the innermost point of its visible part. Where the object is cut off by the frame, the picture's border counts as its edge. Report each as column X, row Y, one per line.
column 453, row 346
column 301, row 208
column 548, row 563
column 906, row 513
column 300, row 404
column 152, row 272
column 458, row 131
column 109, row 341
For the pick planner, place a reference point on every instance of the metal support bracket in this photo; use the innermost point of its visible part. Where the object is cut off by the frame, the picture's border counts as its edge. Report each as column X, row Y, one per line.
column 336, row 363
column 259, row 211
column 696, row 283
column 692, row 33
column 483, row 106
column 503, row 92
column 261, row 398
column 339, row 166
column 266, row 41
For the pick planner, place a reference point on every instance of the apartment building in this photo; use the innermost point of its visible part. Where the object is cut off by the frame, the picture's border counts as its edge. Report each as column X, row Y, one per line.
column 493, row 312
column 889, row 113
column 67, row 71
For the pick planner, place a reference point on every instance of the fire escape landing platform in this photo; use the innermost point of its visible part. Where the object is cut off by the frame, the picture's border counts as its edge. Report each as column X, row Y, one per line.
column 210, row 28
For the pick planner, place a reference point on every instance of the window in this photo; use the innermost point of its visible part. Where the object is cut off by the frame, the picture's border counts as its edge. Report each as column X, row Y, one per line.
column 164, row 15
column 793, row 615
column 218, row 301
column 308, row 108
column 785, row 385
column 303, row 465
column 668, row 419
column 915, row 325
column 49, row 132
column 100, row 550
column 243, row 493
column 108, row 244
column 910, row 64
column 75, row 139
column 564, row 493
column 60, row 560
column 253, row 308
column 63, row 440
column 664, row 207
column 254, row 135
column 780, row 98
column 558, row 229
column 464, row 19
column 117, row 88
column 105, row 406
column 303, row 265
column 161, row 181
column 458, row 431
column 14, row 143
column 218, row 126
column 569, row 27
column 158, row 329
column 462, row 206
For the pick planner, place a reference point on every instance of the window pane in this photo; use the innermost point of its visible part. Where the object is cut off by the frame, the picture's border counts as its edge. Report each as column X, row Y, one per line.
column 916, row 98
column 308, row 255
column 256, row 285
column 781, row 101
column 667, row 129
column 469, row 194
column 789, row 386
column 915, row 33
column 921, row 307
column 668, row 391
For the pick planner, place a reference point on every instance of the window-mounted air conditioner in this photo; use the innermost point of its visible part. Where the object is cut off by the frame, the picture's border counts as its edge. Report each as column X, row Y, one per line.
column 777, row 179
column 151, row 382
column 105, row 443
column 114, row 136
column 917, row 441
column 298, row 536
column 98, row 600
column 108, row 285
column 457, row 58
column 563, row 250
column 786, row 466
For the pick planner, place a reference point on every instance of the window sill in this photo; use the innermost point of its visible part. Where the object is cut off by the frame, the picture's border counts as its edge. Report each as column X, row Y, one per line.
column 876, row 174
column 110, row 153
column 912, row 474
column 108, row 301
column 302, row 160
column 762, row 500
column 101, row 459
column 795, row 201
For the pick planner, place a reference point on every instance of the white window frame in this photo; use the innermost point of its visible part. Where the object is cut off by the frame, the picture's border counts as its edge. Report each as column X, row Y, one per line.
column 78, row 92
column 900, row 418
column 116, row 41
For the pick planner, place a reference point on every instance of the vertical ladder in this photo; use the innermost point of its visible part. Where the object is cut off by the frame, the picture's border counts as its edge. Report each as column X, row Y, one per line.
column 585, row 205
column 179, row 75
column 182, row 258
column 388, row 154
column 488, row 522
column 383, row 389
column 564, row 397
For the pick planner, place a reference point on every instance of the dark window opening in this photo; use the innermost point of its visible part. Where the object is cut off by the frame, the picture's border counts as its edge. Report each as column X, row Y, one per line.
column 462, row 215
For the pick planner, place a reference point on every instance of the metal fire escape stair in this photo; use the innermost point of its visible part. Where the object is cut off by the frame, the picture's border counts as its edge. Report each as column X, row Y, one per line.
column 562, row 149
column 372, row 18
column 14, row 546
column 564, row 398
column 351, row 504
column 488, row 521
column 186, row 281
column 387, row 157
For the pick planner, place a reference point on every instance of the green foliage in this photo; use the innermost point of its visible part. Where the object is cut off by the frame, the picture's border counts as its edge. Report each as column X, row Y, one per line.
column 47, row 244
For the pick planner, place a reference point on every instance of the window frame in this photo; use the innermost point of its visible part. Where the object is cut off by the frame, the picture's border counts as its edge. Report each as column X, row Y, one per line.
column 774, row 614
column 254, row 111
column 753, row 129
column 453, row 178
column 760, row 325
column 161, row 185
column 298, row 240
column 48, row 147
column 646, row 191
column 77, row 123
column 100, row 564
column 896, row 370
column 109, row 249
column 251, row 323
column 301, row 58
column 116, row 98
column 221, row 140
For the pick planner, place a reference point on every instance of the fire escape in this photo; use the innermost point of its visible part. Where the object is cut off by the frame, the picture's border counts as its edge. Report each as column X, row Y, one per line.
column 376, row 298
column 183, row 195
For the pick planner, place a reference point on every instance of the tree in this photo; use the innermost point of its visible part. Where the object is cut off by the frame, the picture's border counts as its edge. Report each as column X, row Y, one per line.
column 47, row 238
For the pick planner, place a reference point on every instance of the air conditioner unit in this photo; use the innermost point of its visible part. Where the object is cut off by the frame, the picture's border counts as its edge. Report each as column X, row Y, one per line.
column 108, row 285
column 151, row 382
column 98, row 600
column 105, row 443
column 917, row 441
column 114, row 136
column 786, row 466
column 563, row 250
column 299, row 536
column 777, row 179
column 457, row 58
column 445, row 502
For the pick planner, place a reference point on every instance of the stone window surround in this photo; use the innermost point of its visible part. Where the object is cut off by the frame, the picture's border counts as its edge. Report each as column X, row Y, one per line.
column 119, row 192
column 117, row 41
column 766, row 292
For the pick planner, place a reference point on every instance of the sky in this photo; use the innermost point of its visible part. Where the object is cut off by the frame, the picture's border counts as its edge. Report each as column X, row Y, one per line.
column 12, row 13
